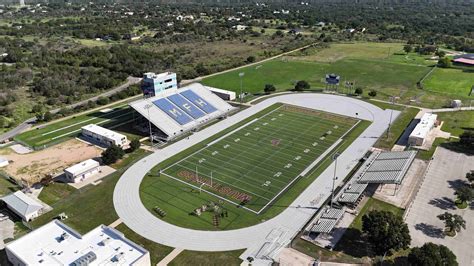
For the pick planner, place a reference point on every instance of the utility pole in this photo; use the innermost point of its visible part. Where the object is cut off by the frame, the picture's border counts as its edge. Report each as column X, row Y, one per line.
column 334, row 158
column 241, row 75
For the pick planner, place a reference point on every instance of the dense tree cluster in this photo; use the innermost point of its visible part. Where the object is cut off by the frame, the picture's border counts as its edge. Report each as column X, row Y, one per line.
column 385, row 231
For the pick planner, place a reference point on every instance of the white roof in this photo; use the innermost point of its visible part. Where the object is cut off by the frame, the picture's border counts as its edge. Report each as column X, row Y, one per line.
column 82, row 167
column 104, row 132
column 424, row 126
column 2, row 159
column 152, row 75
column 22, row 204
column 55, row 243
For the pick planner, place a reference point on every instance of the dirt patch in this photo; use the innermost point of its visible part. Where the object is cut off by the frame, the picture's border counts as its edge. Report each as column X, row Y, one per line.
column 32, row 167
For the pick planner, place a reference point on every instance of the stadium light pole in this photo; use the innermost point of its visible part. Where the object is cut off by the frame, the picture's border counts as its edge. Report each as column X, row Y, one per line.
column 148, row 106
column 392, row 100
column 241, row 75
column 334, row 158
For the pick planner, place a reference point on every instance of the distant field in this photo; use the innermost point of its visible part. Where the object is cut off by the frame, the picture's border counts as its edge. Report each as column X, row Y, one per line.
column 257, row 163
column 450, row 81
column 355, row 51
column 71, row 127
column 285, row 73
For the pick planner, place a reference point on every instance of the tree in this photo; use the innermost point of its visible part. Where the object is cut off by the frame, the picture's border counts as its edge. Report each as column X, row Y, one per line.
column 465, row 194
column 467, row 138
column 269, row 88
column 407, row 48
column 48, row 116
column 440, row 53
column 112, row 154
column 432, row 255
column 3, row 122
column 453, row 222
column 385, row 231
column 134, row 145
column 358, row 91
column 444, row 62
column 37, row 108
column 250, row 59
column 372, row 93
column 470, row 176
column 302, row 85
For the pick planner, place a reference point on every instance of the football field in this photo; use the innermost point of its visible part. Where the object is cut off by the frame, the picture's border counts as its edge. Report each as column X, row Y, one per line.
column 254, row 164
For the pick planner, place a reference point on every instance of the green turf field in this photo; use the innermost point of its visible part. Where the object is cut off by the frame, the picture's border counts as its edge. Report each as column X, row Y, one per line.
column 61, row 130
column 254, row 164
column 455, row 82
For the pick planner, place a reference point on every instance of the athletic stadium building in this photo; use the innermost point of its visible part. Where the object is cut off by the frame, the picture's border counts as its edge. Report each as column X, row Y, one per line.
column 174, row 112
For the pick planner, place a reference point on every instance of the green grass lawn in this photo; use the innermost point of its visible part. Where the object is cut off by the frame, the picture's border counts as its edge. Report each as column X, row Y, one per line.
column 188, row 257
column 456, row 122
column 453, row 82
column 256, row 163
column 157, row 251
column 283, row 74
column 397, row 128
column 7, row 187
column 185, row 199
column 89, row 206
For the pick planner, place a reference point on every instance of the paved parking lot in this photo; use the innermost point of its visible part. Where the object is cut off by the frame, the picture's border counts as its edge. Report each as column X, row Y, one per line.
column 436, row 195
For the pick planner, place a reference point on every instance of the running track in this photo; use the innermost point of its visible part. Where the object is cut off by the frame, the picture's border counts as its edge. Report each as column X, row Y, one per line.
column 132, row 212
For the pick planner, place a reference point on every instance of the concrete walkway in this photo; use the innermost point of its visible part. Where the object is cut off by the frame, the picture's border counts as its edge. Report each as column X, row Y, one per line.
column 166, row 260
column 116, row 223
column 288, row 223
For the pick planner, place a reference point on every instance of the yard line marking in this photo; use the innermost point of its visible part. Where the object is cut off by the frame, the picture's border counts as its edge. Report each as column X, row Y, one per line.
column 243, row 126
column 214, row 194
column 215, row 178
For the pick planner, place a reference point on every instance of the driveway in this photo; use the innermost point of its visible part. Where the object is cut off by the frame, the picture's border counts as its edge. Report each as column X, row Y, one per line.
column 131, row 211
column 445, row 173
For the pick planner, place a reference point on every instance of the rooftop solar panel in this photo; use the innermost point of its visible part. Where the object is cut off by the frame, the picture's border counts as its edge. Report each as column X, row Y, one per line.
column 198, row 101
column 172, row 111
column 186, row 106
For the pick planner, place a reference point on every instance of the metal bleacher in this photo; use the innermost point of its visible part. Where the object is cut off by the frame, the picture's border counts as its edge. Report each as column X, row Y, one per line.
column 177, row 111
column 186, row 106
column 173, row 111
column 198, row 101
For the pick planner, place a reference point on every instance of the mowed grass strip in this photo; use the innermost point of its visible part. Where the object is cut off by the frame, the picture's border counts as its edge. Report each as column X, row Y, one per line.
column 260, row 160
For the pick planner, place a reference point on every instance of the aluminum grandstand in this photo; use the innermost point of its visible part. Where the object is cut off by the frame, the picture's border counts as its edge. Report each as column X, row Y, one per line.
column 379, row 168
column 174, row 112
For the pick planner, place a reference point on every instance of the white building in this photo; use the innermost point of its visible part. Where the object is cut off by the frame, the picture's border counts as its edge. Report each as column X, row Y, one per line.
column 57, row 244
column 3, row 162
column 24, row 206
column 81, row 171
column 239, row 27
column 103, row 136
column 223, row 94
column 422, row 129
column 153, row 84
